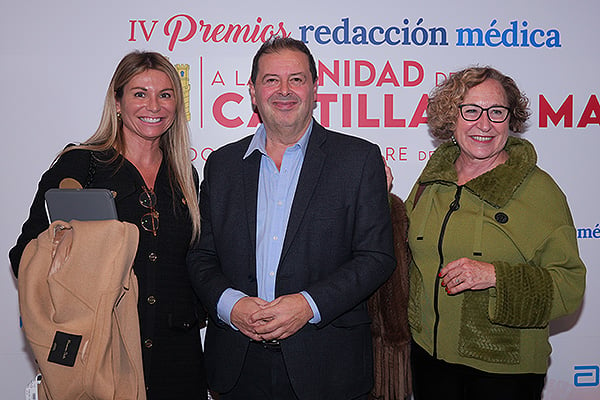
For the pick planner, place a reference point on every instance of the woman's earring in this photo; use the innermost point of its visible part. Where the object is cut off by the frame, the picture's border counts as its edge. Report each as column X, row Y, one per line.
column 118, row 115
column 454, row 141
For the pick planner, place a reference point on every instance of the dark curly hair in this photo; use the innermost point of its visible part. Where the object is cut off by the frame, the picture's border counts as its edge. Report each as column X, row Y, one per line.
column 443, row 111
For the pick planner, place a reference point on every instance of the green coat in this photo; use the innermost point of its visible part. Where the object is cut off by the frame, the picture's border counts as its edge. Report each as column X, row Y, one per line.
column 514, row 217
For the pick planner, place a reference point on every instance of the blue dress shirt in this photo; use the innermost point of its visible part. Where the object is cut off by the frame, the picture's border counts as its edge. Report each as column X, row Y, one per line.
column 276, row 189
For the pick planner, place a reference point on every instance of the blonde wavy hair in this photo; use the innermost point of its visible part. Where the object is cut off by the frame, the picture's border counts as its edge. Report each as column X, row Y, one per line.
column 443, row 111
column 174, row 143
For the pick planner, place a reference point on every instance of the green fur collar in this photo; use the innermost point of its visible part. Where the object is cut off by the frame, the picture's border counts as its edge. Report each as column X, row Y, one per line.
column 496, row 186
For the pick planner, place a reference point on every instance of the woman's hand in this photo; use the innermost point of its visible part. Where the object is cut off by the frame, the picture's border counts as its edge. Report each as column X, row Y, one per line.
column 466, row 274
column 388, row 175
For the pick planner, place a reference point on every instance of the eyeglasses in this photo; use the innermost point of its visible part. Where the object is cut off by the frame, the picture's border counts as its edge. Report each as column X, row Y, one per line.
column 149, row 220
column 472, row 112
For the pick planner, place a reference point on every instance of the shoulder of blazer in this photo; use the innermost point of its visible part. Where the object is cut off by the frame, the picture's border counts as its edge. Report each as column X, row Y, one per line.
column 230, row 151
column 240, row 145
column 328, row 139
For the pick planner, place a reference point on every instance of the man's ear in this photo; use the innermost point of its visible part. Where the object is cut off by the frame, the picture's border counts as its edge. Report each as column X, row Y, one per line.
column 252, row 92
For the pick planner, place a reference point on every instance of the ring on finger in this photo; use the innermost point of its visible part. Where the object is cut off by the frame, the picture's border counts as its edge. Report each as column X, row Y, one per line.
column 457, row 281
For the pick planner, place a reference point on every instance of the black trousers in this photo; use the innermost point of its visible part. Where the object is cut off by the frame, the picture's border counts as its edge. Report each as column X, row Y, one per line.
column 437, row 379
column 264, row 376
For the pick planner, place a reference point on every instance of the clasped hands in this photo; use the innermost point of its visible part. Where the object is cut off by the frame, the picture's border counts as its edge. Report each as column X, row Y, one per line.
column 262, row 320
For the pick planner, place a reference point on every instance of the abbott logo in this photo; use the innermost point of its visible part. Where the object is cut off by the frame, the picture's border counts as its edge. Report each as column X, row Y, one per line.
column 589, row 375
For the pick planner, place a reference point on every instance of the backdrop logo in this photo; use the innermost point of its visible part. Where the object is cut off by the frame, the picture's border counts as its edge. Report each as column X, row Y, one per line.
column 183, row 28
column 514, row 34
column 589, row 233
column 376, row 35
column 184, row 76
column 586, row 375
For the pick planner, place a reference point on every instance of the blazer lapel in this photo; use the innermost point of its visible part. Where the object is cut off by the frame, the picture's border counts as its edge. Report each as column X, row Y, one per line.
column 309, row 177
column 251, row 169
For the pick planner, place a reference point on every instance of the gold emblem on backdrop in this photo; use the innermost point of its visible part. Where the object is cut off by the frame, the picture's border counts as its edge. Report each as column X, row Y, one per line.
column 184, row 75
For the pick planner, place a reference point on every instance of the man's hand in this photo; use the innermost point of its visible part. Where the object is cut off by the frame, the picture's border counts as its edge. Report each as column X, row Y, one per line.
column 282, row 317
column 242, row 313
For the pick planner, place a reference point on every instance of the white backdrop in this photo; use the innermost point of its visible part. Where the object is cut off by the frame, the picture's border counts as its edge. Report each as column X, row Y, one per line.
column 377, row 60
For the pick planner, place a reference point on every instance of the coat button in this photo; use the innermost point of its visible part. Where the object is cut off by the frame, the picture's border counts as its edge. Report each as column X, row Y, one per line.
column 152, row 257
column 501, row 218
column 151, row 300
column 148, row 343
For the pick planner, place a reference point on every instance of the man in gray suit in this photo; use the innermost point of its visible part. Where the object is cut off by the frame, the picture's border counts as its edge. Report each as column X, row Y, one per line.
column 296, row 235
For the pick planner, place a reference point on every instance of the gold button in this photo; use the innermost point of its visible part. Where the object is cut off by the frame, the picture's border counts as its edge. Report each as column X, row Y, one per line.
column 151, row 299
column 148, row 343
column 153, row 256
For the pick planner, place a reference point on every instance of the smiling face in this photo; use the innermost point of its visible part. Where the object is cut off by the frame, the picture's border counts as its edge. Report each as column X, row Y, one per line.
column 147, row 106
column 284, row 93
column 483, row 140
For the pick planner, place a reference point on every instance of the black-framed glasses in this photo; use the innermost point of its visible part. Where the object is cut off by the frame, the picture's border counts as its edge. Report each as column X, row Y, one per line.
column 472, row 112
column 149, row 220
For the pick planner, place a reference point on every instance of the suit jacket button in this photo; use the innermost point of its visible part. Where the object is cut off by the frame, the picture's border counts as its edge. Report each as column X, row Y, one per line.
column 148, row 343
column 152, row 257
column 151, row 300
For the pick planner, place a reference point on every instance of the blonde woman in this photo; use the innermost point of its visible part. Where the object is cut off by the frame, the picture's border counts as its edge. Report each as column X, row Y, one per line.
column 140, row 151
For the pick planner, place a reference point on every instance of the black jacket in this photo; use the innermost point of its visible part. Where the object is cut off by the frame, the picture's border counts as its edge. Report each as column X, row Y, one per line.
column 337, row 247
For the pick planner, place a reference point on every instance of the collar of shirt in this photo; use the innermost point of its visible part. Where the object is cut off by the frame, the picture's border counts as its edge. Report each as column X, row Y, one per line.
column 259, row 141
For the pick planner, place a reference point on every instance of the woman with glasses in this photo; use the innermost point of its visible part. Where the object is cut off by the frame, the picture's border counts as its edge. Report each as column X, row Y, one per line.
column 141, row 152
column 494, row 248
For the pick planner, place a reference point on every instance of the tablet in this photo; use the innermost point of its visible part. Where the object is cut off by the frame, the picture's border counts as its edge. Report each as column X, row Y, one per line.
column 80, row 204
